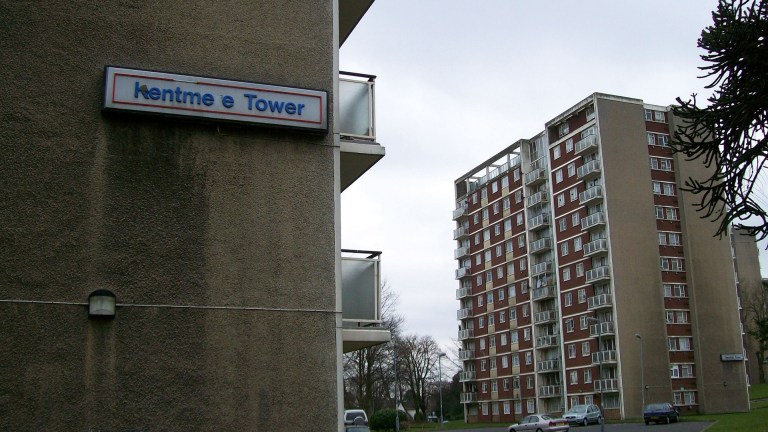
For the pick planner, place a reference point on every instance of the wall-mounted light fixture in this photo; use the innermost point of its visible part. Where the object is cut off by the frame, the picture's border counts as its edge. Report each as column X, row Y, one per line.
column 101, row 303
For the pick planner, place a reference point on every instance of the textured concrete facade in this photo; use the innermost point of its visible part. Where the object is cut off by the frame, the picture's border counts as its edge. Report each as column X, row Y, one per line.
column 218, row 240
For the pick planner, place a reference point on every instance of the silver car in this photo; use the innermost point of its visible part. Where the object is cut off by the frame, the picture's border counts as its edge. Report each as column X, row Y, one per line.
column 583, row 415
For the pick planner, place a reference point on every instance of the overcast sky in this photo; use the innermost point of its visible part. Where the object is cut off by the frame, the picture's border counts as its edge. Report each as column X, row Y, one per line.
column 459, row 80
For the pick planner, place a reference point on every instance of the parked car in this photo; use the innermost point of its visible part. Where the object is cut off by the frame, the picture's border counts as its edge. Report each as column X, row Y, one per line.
column 660, row 412
column 351, row 417
column 540, row 422
column 584, row 415
column 356, row 428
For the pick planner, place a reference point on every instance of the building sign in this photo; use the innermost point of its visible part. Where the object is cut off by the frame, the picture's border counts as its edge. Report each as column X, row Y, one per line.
column 731, row 357
column 190, row 96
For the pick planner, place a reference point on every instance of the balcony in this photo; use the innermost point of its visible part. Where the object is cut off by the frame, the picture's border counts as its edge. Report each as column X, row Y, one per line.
column 361, row 301
column 549, row 391
column 461, row 272
column 596, row 247
column 461, row 252
column 467, row 376
column 537, row 198
column 597, row 274
column 542, row 267
column 463, row 292
column 545, row 292
column 466, row 334
column 593, row 220
column 604, row 357
column 460, row 232
column 590, row 195
column 359, row 150
column 587, row 143
column 548, row 365
column 545, row 316
column 607, row 385
column 589, row 170
column 539, row 221
column 538, row 175
column 460, row 211
column 463, row 313
column 547, row 341
column 601, row 329
column 466, row 354
column 599, row 301
column 469, row 397
column 542, row 244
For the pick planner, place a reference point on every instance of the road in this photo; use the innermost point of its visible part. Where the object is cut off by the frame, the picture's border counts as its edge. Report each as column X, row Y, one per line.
column 623, row 427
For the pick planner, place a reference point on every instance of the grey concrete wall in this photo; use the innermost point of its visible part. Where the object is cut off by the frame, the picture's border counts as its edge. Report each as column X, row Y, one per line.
column 235, row 222
column 750, row 282
column 638, row 294
column 714, row 305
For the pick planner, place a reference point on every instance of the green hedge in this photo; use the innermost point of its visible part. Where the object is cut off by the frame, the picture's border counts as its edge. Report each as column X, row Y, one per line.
column 384, row 420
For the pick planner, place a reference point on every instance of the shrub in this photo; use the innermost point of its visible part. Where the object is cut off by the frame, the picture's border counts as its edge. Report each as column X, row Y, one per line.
column 384, row 420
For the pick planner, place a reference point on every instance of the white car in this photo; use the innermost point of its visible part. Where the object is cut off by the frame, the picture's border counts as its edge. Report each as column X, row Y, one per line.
column 351, row 417
column 540, row 423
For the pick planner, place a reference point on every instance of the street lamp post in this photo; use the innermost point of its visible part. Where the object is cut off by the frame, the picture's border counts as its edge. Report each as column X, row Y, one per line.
column 440, row 383
column 600, row 362
column 642, row 375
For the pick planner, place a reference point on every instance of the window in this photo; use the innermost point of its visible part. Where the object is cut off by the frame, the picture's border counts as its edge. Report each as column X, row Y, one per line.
column 478, row 259
column 568, row 299
column 560, row 200
column 494, row 187
column 507, row 224
column 484, row 193
column 531, row 382
column 481, row 324
column 685, row 398
column 482, row 344
column 648, row 115
column 658, row 116
column 566, row 274
column 671, row 213
column 563, row 129
column 579, row 269
column 485, row 213
column 480, row 301
column 569, row 325
column 479, row 281
column 506, row 403
column 496, row 207
column 515, row 363
column 575, row 219
column 505, row 203
column 501, row 295
column 489, row 298
column 508, row 246
column 493, row 363
column 582, row 295
column 563, row 248
column 521, row 241
column 577, row 244
column 527, row 334
column 505, row 182
column 497, row 229
column 492, row 321
column 485, row 390
column 477, row 239
column 686, row 370
column 572, row 351
column 563, row 223
column 524, row 286
column 569, row 145
column 583, row 323
column 512, row 293
column 585, row 349
column 571, row 169
column 674, row 290
column 487, row 255
column 483, row 365
column 573, row 193
column 518, row 407
column 556, row 152
column 531, row 405
column 528, row 357
column 525, row 310
column 590, row 111
column 574, row 377
column 519, row 219
column 523, row 264
column 495, row 405
column 518, row 196
column 558, row 175
column 674, row 239
column 513, row 317
column 674, row 371
column 516, row 174
column 486, row 234
column 505, row 382
column 587, row 376
column 503, row 340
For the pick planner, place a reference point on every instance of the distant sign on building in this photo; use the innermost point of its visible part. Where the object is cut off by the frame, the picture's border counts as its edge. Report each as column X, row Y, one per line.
column 216, row 99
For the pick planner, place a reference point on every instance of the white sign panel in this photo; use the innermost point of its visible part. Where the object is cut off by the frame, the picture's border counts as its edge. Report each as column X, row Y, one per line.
column 211, row 98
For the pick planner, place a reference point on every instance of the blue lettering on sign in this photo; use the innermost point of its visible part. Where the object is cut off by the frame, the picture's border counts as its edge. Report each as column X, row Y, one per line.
column 172, row 95
column 273, row 106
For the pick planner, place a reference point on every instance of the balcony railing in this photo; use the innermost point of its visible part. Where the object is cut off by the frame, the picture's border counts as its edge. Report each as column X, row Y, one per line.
column 461, row 272
column 467, row 376
column 599, row 301
column 356, row 106
column 593, row 220
column 539, row 245
column 463, row 292
column 587, row 143
column 589, row 170
column 544, row 292
column 545, row 316
column 607, row 385
column 591, row 194
column 549, row 365
column 542, row 267
column 596, row 246
column 461, row 251
column 546, row 341
column 466, row 334
column 469, row 397
column 597, row 274
column 538, row 221
column 604, row 356
column 537, row 198
column 466, row 354
column 538, row 175
column 601, row 329
column 460, row 211
column 463, row 313
column 361, row 300
column 549, row 391
column 460, row 232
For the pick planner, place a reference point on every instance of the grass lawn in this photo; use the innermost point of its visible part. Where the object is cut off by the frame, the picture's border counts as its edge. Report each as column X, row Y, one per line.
column 756, row 420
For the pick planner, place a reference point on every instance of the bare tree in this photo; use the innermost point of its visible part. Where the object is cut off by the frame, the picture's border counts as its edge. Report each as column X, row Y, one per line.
column 755, row 304
column 369, row 373
column 417, row 358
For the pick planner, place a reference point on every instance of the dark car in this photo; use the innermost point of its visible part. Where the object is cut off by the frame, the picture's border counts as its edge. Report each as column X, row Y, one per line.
column 660, row 412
